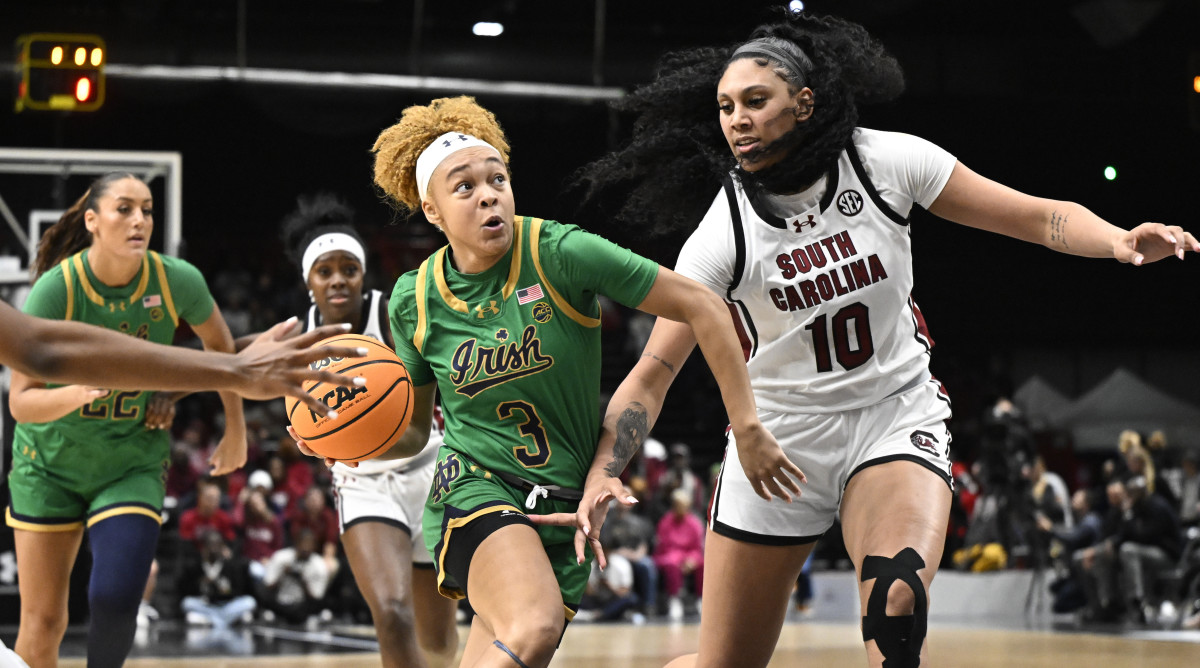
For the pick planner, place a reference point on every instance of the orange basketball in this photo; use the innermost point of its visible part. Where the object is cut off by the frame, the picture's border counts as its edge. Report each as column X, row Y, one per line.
column 370, row 418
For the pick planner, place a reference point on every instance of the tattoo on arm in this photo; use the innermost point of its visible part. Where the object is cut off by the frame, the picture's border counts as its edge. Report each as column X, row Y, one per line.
column 670, row 367
column 631, row 433
column 1058, row 228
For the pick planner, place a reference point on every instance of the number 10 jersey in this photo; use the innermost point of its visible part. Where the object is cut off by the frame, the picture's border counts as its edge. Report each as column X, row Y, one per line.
column 820, row 282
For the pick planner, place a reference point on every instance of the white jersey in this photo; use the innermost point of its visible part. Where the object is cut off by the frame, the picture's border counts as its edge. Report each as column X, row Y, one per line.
column 375, row 321
column 820, row 282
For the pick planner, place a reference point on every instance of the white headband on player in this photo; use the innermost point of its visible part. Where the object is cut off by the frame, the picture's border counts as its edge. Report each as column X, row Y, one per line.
column 438, row 151
column 333, row 241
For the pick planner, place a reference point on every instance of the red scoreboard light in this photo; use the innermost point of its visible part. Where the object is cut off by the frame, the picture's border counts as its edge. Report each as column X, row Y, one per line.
column 60, row 72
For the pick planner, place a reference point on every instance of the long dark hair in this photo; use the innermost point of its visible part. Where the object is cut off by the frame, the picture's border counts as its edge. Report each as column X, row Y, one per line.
column 662, row 181
column 70, row 235
column 315, row 215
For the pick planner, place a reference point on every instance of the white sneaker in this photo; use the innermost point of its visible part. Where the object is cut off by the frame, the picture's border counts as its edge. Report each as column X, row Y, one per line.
column 585, row 615
column 197, row 619
column 145, row 608
column 145, row 615
column 675, row 609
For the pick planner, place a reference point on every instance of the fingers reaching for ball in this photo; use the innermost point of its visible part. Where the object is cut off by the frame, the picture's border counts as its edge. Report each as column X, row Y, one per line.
column 370, row 416
column 309, row 452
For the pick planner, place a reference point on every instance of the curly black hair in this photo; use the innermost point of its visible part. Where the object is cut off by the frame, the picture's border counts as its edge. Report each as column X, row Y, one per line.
column 660, row 183
column 315, row 215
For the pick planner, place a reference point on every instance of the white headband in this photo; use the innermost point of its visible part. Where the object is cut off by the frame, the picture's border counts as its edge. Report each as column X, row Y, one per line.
column 438, row 151
column 333, row 241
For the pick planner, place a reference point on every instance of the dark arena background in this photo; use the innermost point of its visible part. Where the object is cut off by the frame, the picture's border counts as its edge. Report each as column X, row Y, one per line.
column 1093, row 101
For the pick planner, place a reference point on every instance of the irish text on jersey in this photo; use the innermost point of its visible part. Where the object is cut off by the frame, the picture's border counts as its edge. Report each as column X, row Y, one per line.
column 475, row 367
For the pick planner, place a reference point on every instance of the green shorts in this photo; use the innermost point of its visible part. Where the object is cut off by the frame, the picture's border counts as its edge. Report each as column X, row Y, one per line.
column 60, row 497
column 463, row 492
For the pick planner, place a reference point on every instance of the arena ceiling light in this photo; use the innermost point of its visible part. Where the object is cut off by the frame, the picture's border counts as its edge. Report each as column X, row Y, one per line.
column 488, row 29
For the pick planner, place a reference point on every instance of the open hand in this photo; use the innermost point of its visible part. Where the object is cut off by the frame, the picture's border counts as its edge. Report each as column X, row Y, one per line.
column 275, row 365
column 589, row 518
column 1150, row 242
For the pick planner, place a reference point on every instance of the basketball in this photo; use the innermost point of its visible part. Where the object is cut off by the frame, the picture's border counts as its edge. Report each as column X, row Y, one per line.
column 370, row 418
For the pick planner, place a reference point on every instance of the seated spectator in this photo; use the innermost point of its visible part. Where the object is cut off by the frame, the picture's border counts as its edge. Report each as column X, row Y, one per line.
column 1049, row 495
column 1066, row 544
column 316, row 515
column 1148, row 542
column 1189, row 489
column 609, row 594
column 680, row 551
column 1096, row 566
column 679, row 475
column 295, row 581
column 297, row 472
column 216, row 587
column 206, row 515
column 182, row 476
column 1138, row 461
column 627, row 534
column 262, row 531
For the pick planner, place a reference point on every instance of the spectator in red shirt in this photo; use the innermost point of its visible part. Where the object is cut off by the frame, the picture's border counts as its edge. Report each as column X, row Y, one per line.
column 206, row 515
column 316, row 515
column 262, row 530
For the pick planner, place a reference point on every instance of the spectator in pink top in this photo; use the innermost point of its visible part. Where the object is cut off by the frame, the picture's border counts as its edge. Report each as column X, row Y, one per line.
column 680, row 550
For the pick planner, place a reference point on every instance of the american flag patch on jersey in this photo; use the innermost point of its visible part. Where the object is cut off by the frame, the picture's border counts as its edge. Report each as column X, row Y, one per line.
column 526, row 295
column 151, row 301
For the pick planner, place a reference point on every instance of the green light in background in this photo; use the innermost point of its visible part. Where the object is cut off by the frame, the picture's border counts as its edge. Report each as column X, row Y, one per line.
column 1110, row 173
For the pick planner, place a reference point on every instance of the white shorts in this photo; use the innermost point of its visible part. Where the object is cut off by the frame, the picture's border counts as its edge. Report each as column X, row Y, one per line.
column 830, row 448
column 395, row 497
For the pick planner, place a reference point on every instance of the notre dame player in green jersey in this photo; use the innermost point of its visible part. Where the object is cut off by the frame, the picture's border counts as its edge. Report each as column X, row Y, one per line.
column 504, row 324
column 82, row 455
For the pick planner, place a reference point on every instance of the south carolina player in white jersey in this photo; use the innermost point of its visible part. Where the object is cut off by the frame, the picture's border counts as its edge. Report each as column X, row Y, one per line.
column 820, row 281
column 380, row 502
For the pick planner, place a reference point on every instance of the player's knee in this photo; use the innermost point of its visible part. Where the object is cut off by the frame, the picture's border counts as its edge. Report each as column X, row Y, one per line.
column 394, row 614
column 533, row 636
column 43, row 626
column 108, row 596
column 901, row 600
column 897, row 608
column 440, row 642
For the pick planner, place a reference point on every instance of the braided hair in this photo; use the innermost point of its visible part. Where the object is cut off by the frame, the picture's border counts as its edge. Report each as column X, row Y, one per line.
column 678, row 150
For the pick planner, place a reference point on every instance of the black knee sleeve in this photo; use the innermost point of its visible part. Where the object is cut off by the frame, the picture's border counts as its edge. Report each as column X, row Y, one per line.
column 898, row 638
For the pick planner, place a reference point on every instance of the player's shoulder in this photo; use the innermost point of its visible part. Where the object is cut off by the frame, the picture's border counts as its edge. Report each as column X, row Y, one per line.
column 888, row 146
column 176, row 267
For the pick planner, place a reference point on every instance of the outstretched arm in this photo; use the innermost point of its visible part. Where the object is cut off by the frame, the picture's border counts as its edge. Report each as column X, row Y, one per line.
column 73, row 352
column 1067, row 227
column 230, row 454
column 689, row 313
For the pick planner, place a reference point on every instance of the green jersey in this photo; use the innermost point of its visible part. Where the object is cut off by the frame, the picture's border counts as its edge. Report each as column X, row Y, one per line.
column 165, row 290
column 515, row 349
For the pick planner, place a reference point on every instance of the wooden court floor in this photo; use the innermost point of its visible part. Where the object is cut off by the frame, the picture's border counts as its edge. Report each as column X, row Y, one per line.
column 801, row 644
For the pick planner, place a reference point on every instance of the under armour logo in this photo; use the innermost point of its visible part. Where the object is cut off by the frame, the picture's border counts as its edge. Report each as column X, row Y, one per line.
column 482, row 311
column 800, row 224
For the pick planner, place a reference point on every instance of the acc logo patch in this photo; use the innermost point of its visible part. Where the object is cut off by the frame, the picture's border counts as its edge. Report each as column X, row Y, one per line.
column 542, row 312
column 156, row 314
column 849, row 202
